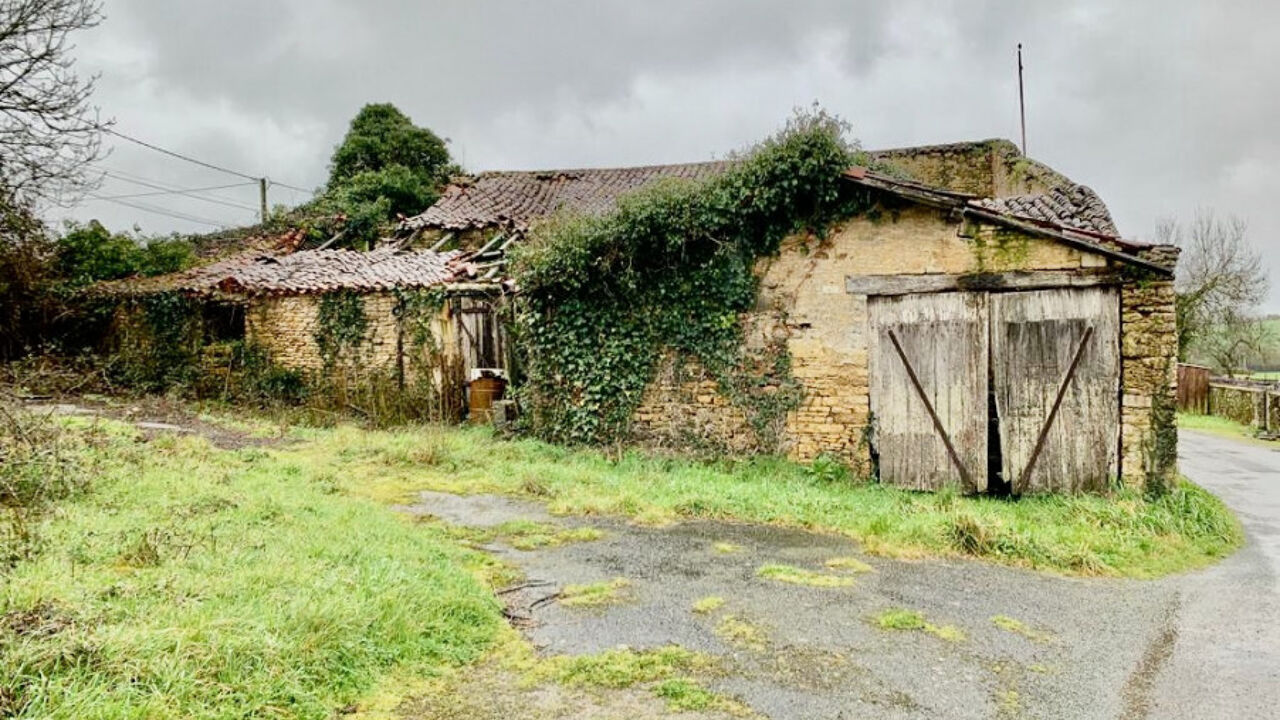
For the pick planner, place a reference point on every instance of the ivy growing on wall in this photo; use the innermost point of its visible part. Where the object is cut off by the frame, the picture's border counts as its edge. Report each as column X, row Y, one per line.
column 602, row 296
column 341, row 325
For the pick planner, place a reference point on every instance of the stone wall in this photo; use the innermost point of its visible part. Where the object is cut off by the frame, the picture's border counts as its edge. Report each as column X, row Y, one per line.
column 286, row 327
column 1148, row 377
column 825, row 328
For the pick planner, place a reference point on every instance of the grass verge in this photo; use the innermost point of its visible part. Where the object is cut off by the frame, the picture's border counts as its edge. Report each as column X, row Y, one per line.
column 197, row 583
column 1126, row 534
column 1223, row 427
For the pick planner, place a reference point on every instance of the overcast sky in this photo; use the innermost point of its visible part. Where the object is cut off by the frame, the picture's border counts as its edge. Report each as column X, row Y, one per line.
column 1162, row 107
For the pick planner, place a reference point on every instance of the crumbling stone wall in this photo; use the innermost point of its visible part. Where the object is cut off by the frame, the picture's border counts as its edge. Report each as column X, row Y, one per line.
column 286, row 326
column 1148, row 378
column 825, row 328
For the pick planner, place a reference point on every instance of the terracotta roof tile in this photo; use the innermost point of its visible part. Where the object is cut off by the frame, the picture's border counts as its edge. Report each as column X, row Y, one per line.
column 1071, row 206
column 307, row 271
column 516, row 198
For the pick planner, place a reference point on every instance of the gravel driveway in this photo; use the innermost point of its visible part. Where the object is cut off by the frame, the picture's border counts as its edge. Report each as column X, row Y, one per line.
column 1202, row 645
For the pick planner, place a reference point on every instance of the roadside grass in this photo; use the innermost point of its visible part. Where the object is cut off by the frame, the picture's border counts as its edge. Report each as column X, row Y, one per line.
column 199, row 583
column 1125, row 534
column 1215, row 425
column 848, row 564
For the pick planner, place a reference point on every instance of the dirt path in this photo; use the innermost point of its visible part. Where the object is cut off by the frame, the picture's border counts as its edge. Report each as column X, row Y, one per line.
column 156, row 416
column 1068, row 648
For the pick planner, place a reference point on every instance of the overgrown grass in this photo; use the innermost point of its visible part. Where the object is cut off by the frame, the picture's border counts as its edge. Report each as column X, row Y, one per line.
column 197, row 583
column 1222, row 426
column 1126, row 534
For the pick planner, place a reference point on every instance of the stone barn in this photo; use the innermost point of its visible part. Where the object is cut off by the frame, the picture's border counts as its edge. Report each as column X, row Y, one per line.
column 396, row 314
column 984, row 326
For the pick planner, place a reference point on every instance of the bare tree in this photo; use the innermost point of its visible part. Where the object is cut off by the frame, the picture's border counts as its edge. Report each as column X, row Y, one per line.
column 49, row 132
column 1221, row 279
column 1234, row 342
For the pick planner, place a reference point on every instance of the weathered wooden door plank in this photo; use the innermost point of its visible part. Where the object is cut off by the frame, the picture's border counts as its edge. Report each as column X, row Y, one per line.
column 943, row 338
column 1035, row 337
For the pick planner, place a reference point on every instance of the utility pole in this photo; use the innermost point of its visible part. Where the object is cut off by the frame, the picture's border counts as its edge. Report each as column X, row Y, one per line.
column 262, row 187
column 1022, row 107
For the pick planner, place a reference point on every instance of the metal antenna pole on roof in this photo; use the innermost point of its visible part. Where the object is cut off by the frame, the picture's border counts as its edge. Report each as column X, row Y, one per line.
column 1022, row 107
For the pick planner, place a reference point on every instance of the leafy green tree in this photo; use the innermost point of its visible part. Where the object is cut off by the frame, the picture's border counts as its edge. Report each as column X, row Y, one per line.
column 385, row 167
column 88, row 253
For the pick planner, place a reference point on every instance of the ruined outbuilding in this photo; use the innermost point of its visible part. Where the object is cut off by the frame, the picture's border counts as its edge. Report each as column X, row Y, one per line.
column 985, row 326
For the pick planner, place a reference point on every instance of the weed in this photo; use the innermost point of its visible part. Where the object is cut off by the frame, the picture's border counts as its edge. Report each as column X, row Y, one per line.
column 800, row 576
column 848, row 564
column 1013, row 625
column 684, row 694
column 708, row 604
column 900, row 619
column 605, row 592
column 741, row 633
column 619, row 668
column 726, row 548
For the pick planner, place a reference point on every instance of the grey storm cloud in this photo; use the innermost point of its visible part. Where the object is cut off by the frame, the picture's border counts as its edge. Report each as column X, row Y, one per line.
column 1163, row 107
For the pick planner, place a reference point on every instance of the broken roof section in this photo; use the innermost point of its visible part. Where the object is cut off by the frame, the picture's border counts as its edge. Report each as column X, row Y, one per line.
column 305, row 272
column 514, row 199
column 990, row 177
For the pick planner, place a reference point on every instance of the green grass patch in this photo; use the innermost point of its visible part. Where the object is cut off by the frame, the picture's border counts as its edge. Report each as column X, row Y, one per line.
column 742, row 633
column 527, row 534
column 726, row 548
column 606, row 592
column 1013, row 625
column 709, row 604
column 800, row 576
column 900, row 619
column 1224, row 427
column 619, row 668
column 1125, row 534
column 197, row 583
column 685, row 694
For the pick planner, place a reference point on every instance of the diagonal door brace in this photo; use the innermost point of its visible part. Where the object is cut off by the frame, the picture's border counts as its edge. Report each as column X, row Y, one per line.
column 933, row 415
column 1053, row 412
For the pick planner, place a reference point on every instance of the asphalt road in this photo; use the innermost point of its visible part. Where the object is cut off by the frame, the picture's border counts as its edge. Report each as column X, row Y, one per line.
column 1226, row 660
column 1195, row 646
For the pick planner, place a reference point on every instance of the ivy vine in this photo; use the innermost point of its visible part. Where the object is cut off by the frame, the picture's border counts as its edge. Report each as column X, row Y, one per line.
column 672, row 267
column 341, row 325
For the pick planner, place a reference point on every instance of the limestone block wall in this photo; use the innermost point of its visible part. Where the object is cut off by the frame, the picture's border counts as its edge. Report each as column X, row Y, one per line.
column 1148, row 374
column 286, row 326
column 825, row 328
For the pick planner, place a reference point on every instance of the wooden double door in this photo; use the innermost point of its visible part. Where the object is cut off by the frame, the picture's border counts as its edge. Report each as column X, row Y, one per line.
column 971, row 388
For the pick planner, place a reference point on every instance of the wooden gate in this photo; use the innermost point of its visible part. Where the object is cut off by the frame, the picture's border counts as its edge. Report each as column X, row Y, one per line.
column 1051, row 361
column 1056, row 380
column 928, row 358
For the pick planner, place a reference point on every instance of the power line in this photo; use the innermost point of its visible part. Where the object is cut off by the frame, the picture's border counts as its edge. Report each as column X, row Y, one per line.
column 179, row 191
column 162, row 211
column 179, row 156
column 172, row 192
column 201, row 163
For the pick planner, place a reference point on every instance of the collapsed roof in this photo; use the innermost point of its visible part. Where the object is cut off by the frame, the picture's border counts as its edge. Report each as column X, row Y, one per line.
column 305, row 272
column 987, row 178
